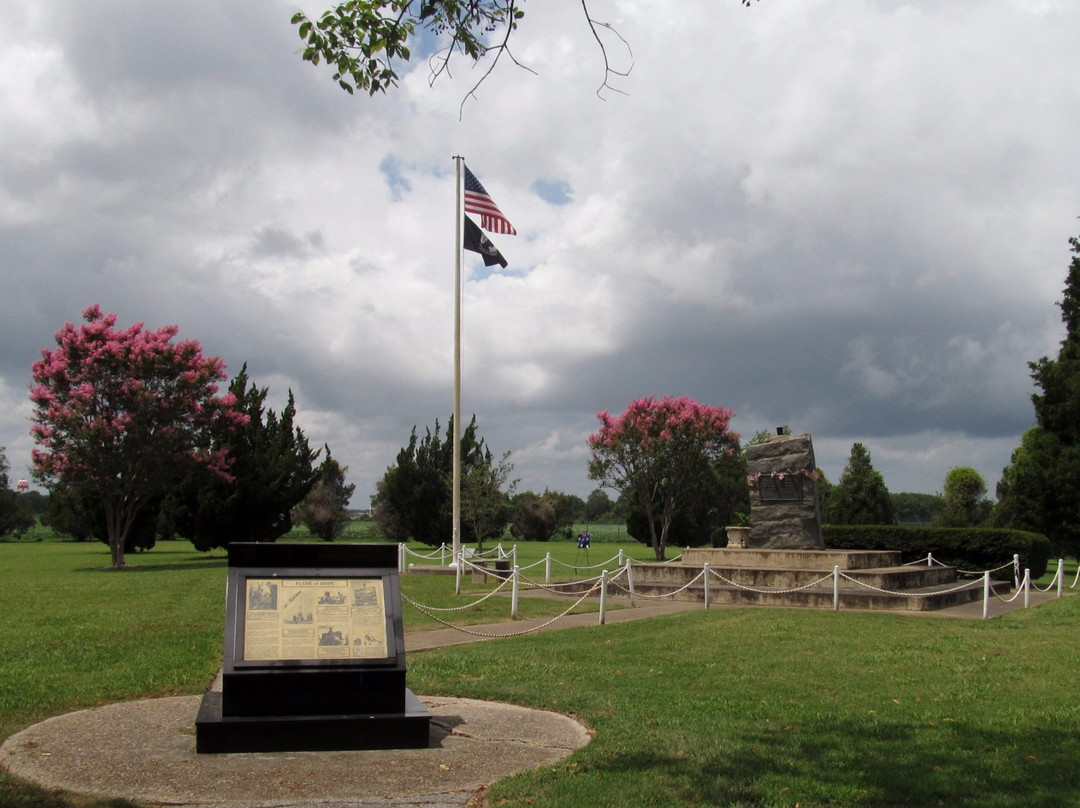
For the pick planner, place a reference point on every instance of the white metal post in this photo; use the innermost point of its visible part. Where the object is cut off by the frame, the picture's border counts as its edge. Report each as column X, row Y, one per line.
column 459, row 557
column 1060, row 576
column 401, row 558
column 1027, row 587
column 514, row 594
column 547, row 568
column 705, row 572
column 630, row 582
column 986, row 594
column 836, row 588
column 603, row 596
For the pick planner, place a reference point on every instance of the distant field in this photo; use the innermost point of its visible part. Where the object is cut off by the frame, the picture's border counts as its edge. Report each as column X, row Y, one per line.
column 366, row 530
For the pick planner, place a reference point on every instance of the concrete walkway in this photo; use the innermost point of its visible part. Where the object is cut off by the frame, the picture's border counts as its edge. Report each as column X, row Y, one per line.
column 145, row 750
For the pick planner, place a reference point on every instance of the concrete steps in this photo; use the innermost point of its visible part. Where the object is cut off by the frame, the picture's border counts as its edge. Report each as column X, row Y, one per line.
column 870, row 580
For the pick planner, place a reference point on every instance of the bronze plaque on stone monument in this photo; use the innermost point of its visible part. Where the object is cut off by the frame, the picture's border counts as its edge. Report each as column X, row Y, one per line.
column 785, row 488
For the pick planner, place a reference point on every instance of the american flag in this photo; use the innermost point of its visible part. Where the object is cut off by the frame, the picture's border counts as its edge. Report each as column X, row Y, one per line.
column 479, row 202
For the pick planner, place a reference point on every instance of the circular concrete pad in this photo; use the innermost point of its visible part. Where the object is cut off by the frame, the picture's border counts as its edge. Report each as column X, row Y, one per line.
column 145, row 751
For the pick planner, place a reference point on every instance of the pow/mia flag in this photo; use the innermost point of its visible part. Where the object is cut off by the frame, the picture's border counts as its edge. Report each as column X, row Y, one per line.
column 476, row 241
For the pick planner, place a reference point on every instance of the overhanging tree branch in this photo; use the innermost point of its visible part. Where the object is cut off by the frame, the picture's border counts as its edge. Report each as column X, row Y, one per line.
column 366, row 41
column 608, row 69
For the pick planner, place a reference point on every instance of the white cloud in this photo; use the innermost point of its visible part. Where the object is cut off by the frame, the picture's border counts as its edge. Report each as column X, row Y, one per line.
column 847, row 217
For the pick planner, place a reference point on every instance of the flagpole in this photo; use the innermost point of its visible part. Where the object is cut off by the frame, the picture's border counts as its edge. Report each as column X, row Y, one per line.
column 458, row 225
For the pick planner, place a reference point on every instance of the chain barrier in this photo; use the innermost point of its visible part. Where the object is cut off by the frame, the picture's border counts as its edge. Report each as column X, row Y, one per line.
column 439, row 553
column 1006, row 565
column 576, row 567
column 1058, row 577
column 553, row 588
column 426, row 610
column 534, row 564
column 493, row 592
column 772, row 590
column 442, row 551
column 602, row 583
column 1015, row 595
column 671, row 594
column 864, row 585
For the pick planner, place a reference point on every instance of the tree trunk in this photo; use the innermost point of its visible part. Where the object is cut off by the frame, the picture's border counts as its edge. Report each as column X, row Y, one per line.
column 116, row 547
column 117, row 524
column 665, row 526
column 654, row 540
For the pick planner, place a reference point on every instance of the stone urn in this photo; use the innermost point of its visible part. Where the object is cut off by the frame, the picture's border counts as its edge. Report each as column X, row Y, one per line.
column 738, row 537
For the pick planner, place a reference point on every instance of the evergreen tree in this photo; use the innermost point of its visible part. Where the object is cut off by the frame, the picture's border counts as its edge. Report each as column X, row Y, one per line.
column 271, row 469
column 1046, row 468
column 535, row 517
column 964, row 502
column 325, row 509
column 916, row 508
column 598, row 505
column 860, row 498
column 543, row 517
column 415, row 498
column 1022, row 487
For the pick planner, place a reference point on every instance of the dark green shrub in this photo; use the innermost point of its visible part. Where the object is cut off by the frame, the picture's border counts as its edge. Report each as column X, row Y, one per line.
column 969, row 548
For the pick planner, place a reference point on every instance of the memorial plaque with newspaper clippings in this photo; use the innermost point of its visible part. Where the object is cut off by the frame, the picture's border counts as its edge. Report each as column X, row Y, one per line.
column 314, row 619
column 314, row 653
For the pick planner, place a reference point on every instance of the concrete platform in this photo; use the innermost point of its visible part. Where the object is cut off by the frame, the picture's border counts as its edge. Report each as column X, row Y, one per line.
column 145, row 751
column 873, row 580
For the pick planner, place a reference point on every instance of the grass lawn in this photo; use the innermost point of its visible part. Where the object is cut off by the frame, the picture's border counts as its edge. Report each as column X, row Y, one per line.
column 726, row 707
column 762, row 707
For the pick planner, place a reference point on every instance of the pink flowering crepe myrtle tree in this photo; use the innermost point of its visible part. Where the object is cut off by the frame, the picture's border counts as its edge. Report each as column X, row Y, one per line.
column 118, row 414
column 653, row 452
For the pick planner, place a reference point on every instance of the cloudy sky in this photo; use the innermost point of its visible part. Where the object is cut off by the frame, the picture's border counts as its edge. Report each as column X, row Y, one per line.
column 848, row 216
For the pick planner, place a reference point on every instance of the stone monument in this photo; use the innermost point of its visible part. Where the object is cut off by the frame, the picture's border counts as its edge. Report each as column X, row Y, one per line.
column 784, row 509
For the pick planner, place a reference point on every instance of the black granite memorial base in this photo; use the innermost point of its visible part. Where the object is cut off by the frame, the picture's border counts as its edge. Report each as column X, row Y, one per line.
column 314, row 656
column 218, row 734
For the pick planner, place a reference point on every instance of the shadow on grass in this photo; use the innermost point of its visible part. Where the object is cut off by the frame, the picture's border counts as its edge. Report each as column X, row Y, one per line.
column 194, row 564
column 876, row 764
